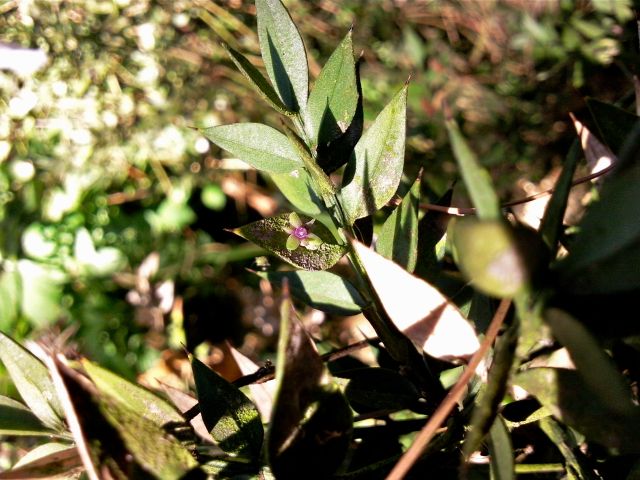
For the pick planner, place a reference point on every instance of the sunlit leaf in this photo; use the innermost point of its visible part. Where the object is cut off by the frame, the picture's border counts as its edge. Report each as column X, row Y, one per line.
column 41, row 301
column 184, row 402
column 263, row 394
column 398, row 238
column 51, row 460
column 234, row 422
column 334, row 98
column 501, row 451
column 141, row 419
column 419, row 310
column 261, row 146
column 572, row 400
column 261, row 85
column 283, row 53
column 17, row 419
column 32, row 380
column 297, row 188
column 322, row 290
column 597, row 155
column 271, row 234
column 497, row 258
column 375, row 169
column 475, row 177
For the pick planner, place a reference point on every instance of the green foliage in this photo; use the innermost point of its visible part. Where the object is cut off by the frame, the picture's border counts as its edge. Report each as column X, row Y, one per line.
column 339, row 178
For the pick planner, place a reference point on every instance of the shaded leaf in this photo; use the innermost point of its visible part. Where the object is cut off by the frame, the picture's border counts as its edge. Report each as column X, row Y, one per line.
column 336, row 153
column 271, row 235
column 322, row 290
column 17, row 419
column 596, row 367
column 262, row 86
column 234, row 422
column 398, row 238
column 431, row 230
column 375, row 168
column 261, row 146
column 501, row 451
column 334, row 98
column 476, row 178
column 488, row 401
column 419, row 310
column 372, row 389
column 32, row 380
column 52, row 460
column 283, row 53
column 564, row 440
column 598, row 261
column 614, row 124
column 551, row 225
column 311, row 422
column 297, row 188
column 571, row 400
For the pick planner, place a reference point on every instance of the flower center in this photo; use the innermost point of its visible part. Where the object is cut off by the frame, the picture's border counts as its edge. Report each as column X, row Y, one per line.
column 300, row 233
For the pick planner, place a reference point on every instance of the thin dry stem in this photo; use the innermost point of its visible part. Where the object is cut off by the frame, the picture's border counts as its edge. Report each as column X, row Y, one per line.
column 455, row 394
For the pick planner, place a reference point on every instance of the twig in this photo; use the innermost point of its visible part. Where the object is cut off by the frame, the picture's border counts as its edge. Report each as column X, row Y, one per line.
column 442, row 412
column 461, row 211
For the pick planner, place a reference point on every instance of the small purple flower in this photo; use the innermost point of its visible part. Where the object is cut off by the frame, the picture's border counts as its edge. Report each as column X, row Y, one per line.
column 300, row 234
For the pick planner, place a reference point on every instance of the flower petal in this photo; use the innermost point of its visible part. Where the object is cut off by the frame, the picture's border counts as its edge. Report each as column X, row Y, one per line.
column 294, row 220
column 292, row 243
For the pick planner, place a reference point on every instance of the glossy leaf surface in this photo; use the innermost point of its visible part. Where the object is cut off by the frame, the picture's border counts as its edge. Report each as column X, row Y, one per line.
column 271, row 234
column 283, row 53
column 375, row 169
column 261, row 146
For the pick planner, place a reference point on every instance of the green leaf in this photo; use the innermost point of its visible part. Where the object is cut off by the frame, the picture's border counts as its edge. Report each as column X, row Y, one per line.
column 324, row 185
column 40, row 302
column 283, row 53
column 262, row 86
column 311, row 423
column 51, row 460
column 485, row 412
column 476, row 178
column 614, row 124
column 297, row 188
column 17, row 419
column 325, row 291
column 599, row 260
column 141, row 419
column 334, row 98
column 572, row 400
column 232, row 419
column 596, row 367
column 373, row 389
column 431, row 239
column 32, row 380
column 375, row 169
column 488, row 254
column 501, row 451
column 271, row 235
column 337, row 153
column 551, row 225
column 261, row 146
column 398, row 238
column 10, row 296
